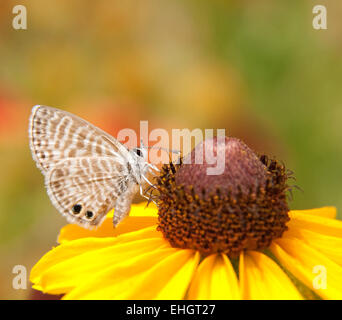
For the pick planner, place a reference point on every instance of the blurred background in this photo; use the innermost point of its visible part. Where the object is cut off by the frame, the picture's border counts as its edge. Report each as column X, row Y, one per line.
column 257, row 69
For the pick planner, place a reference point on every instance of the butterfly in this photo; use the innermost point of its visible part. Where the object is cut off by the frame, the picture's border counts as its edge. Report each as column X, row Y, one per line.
column 87, row 171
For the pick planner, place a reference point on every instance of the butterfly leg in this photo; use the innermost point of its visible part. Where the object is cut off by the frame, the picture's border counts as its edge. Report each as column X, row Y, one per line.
column 152, row 166
column 142, row 193
column 148, row 181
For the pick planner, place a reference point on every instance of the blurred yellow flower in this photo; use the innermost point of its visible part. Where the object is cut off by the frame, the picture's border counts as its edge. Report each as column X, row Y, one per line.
column 134, row 261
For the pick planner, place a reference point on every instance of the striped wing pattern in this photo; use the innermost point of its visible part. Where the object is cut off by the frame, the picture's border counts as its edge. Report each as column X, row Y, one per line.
column 57, row 135
column 92, row 183
column 85, row 168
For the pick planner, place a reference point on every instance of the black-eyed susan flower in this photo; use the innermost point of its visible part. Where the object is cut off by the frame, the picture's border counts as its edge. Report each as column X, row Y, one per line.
column 230, row 236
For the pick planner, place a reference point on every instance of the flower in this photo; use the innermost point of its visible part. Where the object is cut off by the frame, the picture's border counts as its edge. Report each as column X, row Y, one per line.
column 134, row 261
column 298, row 257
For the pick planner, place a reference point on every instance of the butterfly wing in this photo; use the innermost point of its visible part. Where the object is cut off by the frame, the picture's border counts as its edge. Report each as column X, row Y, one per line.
column 85, row 189
column 56, row 135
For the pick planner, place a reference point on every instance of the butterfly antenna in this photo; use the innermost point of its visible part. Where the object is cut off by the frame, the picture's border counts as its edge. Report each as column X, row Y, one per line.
column 160, row 148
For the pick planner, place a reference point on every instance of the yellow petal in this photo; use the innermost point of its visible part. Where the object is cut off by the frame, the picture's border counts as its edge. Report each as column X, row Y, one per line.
column 140, row 210
column 327, row 212
column 70, row 273
column 121, row 277
column 262, row 279
column 67, row 265
column 61, row 253
column 302, row 220
column 310, row 266
column 73, row 231
column 215, row 279
column 178, row 284
column 330, row 246
column 169, row 279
